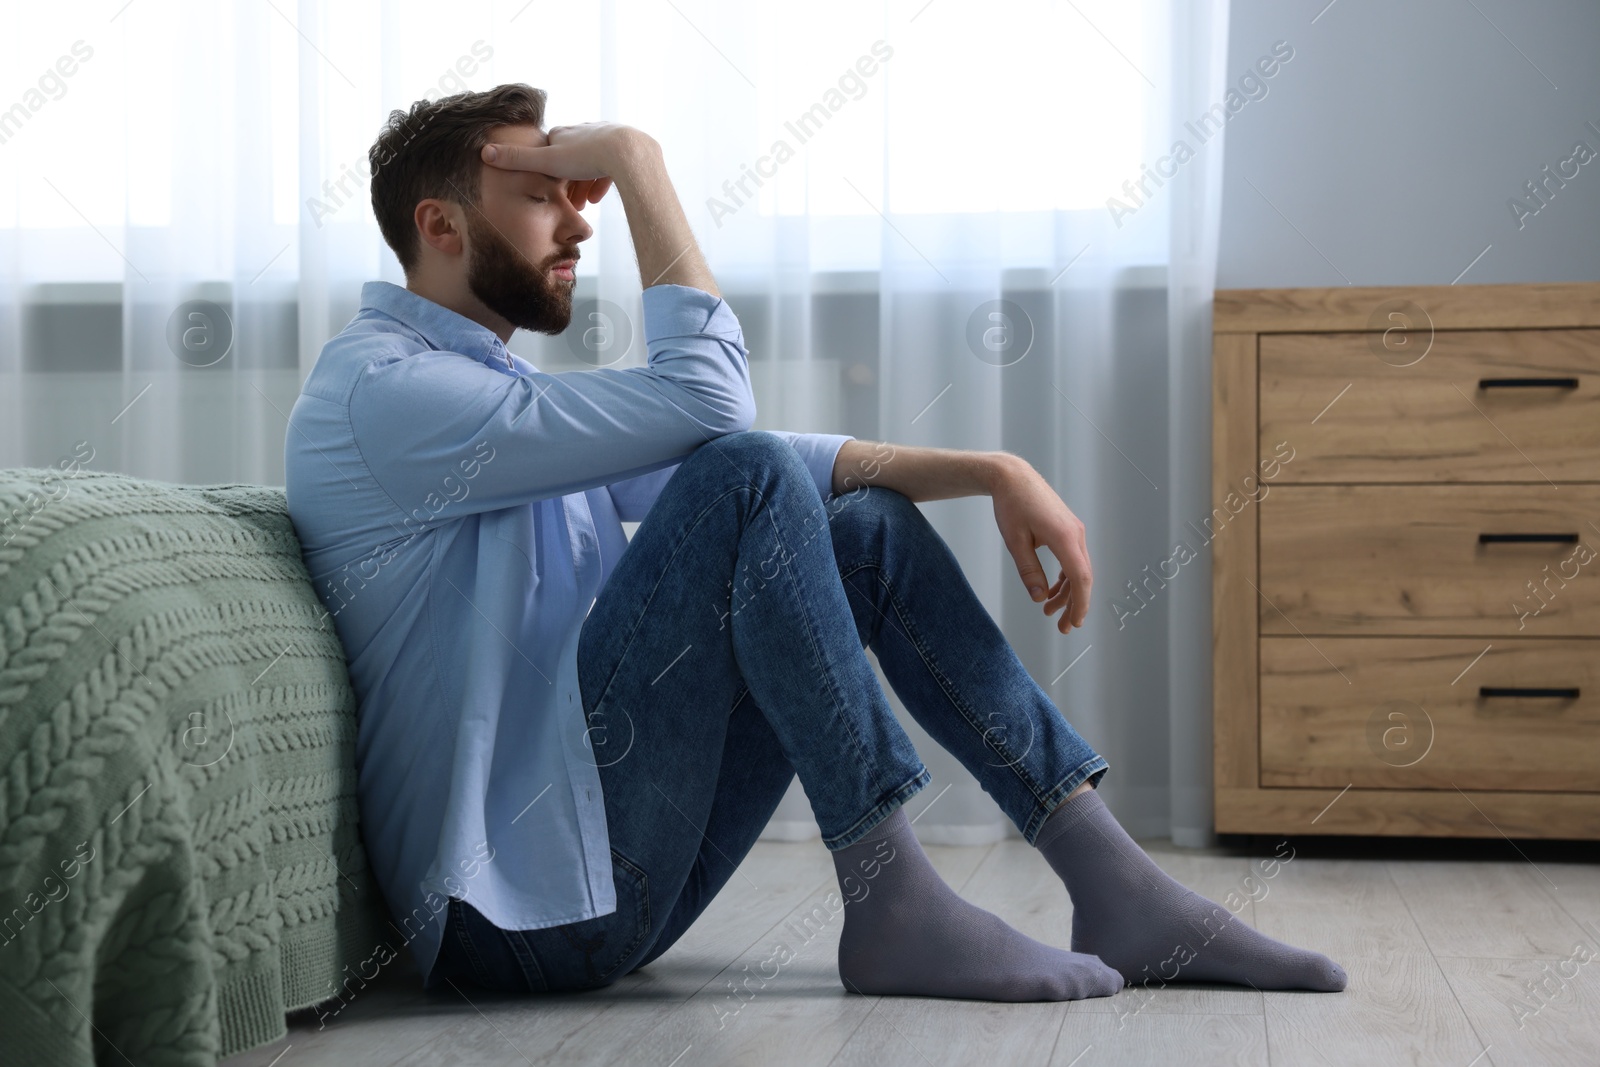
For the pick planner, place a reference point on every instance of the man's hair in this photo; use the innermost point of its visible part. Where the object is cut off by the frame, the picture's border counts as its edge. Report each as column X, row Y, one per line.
column 433, row 150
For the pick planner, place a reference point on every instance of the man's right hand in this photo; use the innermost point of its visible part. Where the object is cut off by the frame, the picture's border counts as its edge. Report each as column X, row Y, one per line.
column 591, row 157
column 588, row 155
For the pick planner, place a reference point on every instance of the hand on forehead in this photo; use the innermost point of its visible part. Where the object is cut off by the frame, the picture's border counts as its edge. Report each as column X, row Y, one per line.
column 586, row 156
column 530, row 136
column 522, row 168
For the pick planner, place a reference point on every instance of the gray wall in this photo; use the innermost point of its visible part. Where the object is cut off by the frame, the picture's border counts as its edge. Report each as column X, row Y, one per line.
column 1398, row 132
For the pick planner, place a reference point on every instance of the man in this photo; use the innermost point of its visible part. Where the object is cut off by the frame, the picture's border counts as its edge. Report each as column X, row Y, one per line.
column 568, row 740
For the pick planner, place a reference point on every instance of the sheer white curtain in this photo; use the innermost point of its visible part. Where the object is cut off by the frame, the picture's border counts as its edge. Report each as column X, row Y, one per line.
column 908, row 203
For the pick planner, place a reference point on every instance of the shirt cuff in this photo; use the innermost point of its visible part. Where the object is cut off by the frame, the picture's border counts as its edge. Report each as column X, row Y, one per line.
column 684, row 311
column 819, row 451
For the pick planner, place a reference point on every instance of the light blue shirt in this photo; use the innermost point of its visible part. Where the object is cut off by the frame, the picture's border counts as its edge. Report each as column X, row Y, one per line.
column 459, row 510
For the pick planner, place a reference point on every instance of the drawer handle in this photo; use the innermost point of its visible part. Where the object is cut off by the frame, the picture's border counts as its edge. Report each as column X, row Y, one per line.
column 1556, row 538
column 1515, row 691
column 1527, row 383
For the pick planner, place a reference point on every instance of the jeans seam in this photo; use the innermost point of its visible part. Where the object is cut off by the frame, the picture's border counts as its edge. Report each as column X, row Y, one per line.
column 641, row 919
column 840, row 717
column 480, row 973
column 532, row 974
column 945, row 687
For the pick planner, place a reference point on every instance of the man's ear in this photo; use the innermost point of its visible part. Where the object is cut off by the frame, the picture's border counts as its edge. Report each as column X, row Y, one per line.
column 440, row 224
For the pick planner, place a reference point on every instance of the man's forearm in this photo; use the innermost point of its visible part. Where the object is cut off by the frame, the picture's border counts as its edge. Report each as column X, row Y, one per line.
column 921, row 473
column 662, row 240
column 1027, row 510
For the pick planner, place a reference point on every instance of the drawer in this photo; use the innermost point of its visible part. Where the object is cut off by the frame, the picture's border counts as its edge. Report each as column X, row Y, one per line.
column 1479, row 406
column 1435, row 560
column 1430, row 713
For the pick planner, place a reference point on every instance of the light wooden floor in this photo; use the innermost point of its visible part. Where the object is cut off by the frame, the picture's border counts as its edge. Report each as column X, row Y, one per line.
column 1441, row 942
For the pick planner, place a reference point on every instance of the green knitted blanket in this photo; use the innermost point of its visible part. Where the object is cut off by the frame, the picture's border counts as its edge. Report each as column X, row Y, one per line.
column 179, row 856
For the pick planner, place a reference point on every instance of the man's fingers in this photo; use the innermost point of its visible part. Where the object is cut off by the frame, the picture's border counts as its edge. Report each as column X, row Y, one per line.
column 1058, row 594
column 585, row 191
column 1028, row 569
column 1080, row 583
column 569, row 161
column 517, row 156
column 1072, row 601
column 1077, row 577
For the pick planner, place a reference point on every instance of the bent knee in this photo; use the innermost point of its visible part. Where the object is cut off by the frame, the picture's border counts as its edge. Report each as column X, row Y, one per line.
column 747, row 453
column 757, row 443
column 870, row 508
column 864, row 522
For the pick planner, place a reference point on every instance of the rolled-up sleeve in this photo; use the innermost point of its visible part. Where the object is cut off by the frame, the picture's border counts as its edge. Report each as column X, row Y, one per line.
column 445, row 435
column 818, row 451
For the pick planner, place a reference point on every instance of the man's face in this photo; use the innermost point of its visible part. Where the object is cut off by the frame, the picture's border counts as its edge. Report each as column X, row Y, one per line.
column 522, row 241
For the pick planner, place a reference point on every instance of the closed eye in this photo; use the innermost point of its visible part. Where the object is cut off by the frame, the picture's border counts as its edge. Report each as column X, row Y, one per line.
column 540, row 199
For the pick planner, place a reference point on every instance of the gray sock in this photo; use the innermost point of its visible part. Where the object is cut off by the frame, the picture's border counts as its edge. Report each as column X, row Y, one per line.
column 1133, row 915
column 907, row 933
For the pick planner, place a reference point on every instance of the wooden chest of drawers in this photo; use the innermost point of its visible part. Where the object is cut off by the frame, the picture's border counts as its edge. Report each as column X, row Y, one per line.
column 1406, row 561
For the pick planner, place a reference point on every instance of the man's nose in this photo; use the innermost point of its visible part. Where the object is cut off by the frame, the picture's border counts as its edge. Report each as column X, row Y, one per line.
column 575, row 228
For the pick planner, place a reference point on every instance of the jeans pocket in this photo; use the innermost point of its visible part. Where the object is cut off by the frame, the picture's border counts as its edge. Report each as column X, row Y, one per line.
column 591, row 953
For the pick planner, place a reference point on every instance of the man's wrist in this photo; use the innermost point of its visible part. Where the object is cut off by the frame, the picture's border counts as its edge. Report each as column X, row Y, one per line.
column 1003, row 469
column 638, row 158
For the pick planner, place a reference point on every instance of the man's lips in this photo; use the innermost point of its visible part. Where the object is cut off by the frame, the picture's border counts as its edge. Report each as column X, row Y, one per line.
column 565, row 269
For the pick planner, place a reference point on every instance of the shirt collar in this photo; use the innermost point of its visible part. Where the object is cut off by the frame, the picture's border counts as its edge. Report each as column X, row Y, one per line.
column 438, row 325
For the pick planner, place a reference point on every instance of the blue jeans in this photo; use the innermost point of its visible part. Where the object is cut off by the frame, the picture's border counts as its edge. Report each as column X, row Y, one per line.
column 720, row 660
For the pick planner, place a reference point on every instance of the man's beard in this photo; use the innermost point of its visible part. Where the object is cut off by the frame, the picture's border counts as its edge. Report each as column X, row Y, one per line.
column 526, row 296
